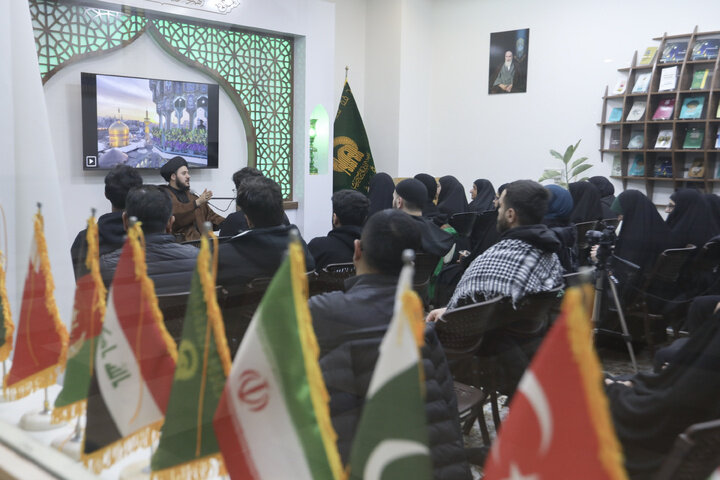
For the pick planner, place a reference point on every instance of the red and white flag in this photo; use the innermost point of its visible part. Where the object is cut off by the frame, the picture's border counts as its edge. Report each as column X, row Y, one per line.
column 559, row 424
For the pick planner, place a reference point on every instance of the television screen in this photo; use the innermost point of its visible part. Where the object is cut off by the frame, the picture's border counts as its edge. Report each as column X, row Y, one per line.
column 144, row 122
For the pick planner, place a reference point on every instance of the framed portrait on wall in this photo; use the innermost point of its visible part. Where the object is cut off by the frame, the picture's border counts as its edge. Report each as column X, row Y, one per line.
column 508, row 61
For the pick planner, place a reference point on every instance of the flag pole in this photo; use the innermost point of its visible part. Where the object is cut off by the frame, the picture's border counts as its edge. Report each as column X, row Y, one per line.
column 346, row 72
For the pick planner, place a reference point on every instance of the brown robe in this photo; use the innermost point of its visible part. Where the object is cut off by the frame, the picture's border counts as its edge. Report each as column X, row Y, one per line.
column 189, row 219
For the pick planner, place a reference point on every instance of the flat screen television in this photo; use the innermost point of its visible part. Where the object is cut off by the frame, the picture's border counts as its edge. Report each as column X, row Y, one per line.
column 144, row 122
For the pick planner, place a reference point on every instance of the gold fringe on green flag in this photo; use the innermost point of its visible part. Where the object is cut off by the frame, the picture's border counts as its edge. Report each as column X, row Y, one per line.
column 6, row 324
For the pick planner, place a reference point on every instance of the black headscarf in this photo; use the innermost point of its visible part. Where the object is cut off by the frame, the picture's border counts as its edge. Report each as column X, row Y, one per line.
column 713, row 202
column 429, row 210
column 484, row 197
column 380, row 192
column 644, row 234
column 607, row 194
column 691, row 220
column 586, row 202
column 649, row 415
column 452, row 196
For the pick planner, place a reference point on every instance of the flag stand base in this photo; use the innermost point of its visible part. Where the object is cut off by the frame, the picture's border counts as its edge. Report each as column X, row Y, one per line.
column 39, row 421
column 72, row 447
column 136, row 471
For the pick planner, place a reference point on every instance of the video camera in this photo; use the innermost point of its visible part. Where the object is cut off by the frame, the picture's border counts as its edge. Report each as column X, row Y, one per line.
column 605, row 238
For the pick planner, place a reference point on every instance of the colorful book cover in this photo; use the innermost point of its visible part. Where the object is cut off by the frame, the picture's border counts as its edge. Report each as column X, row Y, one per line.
column 696, row 168
column 694, row 138
column 617, row 166
column 706, row 49
column 616, row 114
column 665, row 109
column 637, row 167
column 648, row 56
column 699, row 79
column 637, row 140
column 637, row 111
column 674, row 51
column 642, row 82
column 664, row 139
column 717, row 113
column 615, row 139
column 692, row 107
column 620, row 86
column 663, row 167
column 668, row 79
column 717, row 170
column 717, row 141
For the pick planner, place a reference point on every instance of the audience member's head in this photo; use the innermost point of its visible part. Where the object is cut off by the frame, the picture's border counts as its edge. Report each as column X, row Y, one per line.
column 482, row 194
column 384, row 237
column 603, row 185
column 500, row 189
column 261, row 201
column 380, row 192
column 118, row 183
column 523, row 202
column 560, row 205
column 430, row 184
column 152, row 206
column 586, row 202
column 410, row 196
column 452, row 197
column 244, row 173
column 171, row 168
column 350, row 207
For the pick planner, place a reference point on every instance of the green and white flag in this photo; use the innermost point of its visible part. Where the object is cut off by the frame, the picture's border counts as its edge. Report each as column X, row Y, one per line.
column 391, row 440
column 353, row 164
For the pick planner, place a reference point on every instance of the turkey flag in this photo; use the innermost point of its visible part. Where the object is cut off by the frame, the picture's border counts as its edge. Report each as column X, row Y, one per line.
column 559, row 424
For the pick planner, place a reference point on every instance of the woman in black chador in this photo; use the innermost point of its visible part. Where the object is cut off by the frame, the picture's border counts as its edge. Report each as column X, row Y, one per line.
column 586, row 202
column 483, row 195
column 690, row 218
column 607, row 195
column 452, row 198
column 380, row 192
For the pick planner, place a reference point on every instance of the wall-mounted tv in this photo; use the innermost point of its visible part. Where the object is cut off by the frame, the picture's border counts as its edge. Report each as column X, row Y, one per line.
column 144, row 122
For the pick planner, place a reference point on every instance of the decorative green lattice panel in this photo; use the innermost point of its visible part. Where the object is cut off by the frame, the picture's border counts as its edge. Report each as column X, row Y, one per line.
column 258, row 68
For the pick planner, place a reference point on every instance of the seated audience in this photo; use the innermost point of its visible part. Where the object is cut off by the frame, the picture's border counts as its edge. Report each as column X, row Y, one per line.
column 482, row 195
column 380, row 192
column 557, row 219
column 586, row 202
column 350, row 210
column 111, row 231
column 190, row 210
column 170, row 265
column 350, row 326
column 451, row 199
column 651, row 409
column 689, row 218
column 525, row 259
column 235, row 222
column 409, row 196
column 607, row 195
column 257, row 252
column 430, row 209
column 713, row 202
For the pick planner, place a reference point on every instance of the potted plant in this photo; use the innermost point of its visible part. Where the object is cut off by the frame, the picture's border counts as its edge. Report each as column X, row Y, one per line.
column 570, row 170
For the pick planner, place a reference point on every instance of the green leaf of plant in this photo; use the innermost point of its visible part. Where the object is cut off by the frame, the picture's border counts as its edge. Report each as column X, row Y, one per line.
column 549, row 175
column 576, row 145
column 581, row 169
column 583, row 179
column 578, row 162
column 556, row 154
column 568, row 154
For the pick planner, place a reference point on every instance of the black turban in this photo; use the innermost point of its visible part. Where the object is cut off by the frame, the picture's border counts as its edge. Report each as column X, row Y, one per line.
column 412, row 191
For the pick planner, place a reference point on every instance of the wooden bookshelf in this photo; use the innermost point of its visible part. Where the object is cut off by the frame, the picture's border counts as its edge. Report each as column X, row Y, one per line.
column 679, row 157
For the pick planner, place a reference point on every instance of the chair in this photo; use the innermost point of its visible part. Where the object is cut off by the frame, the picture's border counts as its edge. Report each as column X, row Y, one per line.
column 238, row 308
column 646, row 303
column 425, row 265
column 463, row 223
column 705, row 267
column 611, row 222
column 461, row 332
column 695, row 455
column 484, row 232
column 173, row 306
column 331, row 278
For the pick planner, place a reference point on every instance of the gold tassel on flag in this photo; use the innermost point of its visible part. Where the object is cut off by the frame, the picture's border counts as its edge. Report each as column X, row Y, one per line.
column 5, row 315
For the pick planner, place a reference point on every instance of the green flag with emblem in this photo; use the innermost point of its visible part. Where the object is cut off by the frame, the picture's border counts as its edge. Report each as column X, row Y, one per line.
column 188, row 447
column 353, row 164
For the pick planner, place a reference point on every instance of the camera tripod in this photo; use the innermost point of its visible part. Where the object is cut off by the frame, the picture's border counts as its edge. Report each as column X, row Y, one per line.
column 603, row 273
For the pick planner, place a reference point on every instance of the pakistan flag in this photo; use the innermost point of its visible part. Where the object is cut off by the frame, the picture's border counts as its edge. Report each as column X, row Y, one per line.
column 353, row 165
column 187, row 441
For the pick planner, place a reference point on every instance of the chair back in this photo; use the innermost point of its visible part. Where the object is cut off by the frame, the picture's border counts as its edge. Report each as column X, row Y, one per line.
column 331, row 278
column 707, row 259
column 463, row 223
column 532, row 315
column 669, row 264
column 462, row 329
column 173, row 306
column 238, row 308
column 696, row 453
column 485, row 223
column 611, row 222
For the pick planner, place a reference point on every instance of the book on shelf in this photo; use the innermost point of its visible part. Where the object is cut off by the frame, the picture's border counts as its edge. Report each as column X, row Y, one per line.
column 664, row 139
column 642, row 83
column 615, row 115
column 665, row 109
column 706, row 49
column 694, row 168
column 637, row 166
column 692, row 107
column 694, row 138
column 699, row 79
column 617, row 166
column 668, row 79
column 717, row 114
column 663, row 167
column 615, row 139
column 648, row 56
column 717, row 141
column 620, row 86
column 674, row 51
column 636, row 111
column 717, row 169
column 637, row 140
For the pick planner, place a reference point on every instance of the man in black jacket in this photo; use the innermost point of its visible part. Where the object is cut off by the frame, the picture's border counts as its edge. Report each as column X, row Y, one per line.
column 259, row 251
column 350, row 209
column 111, row 231
column 349, row 327
column 169, row 264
